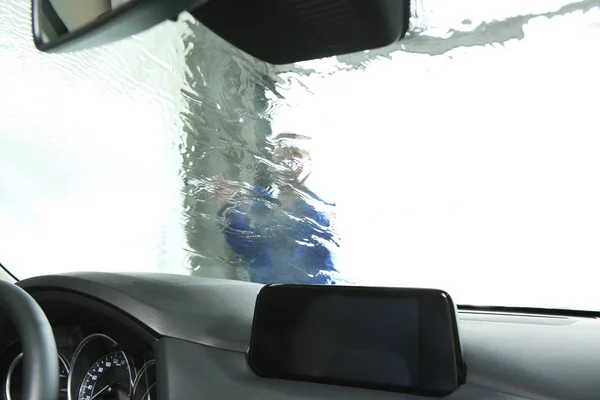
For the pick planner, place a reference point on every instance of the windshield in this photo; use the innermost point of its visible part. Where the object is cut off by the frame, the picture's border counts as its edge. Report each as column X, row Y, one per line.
column 464, row 158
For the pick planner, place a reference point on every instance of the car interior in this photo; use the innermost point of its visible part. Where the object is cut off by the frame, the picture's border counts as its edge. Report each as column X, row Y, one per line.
column 188, row 338
column 86, row 335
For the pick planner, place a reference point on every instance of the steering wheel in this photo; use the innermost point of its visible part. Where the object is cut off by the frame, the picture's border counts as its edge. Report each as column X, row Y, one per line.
column 40, row 366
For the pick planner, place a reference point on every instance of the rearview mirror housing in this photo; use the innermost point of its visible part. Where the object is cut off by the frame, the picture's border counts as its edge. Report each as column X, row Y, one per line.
column 287, row 31
column 275, row 31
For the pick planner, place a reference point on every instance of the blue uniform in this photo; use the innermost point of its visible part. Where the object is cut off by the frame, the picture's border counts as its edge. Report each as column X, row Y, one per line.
column 279, row 245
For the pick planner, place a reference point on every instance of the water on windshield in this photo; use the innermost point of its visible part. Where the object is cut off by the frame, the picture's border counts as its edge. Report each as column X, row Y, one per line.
column 463, row 158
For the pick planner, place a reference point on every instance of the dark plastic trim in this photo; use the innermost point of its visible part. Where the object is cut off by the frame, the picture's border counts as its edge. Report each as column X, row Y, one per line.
column 288, row 31
column 129, row 19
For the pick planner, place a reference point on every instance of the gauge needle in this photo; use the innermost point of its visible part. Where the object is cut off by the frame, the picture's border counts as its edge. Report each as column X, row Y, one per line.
column 101, row 390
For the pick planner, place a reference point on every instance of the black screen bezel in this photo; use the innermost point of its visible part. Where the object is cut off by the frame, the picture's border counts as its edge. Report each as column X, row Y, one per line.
column 437, row 323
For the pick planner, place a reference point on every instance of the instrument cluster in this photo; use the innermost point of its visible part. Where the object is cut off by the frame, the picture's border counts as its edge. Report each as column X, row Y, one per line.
column 97, row 368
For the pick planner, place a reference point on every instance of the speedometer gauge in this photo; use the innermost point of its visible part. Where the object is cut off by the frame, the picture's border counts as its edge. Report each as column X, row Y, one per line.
column 100, row 370
column 108, row 378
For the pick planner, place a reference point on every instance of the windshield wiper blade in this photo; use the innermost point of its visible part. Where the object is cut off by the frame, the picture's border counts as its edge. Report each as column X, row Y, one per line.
column 561, row 312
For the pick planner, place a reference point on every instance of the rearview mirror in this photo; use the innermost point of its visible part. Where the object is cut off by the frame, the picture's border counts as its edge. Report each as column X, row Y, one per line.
column 276, row 31
column 69, row 25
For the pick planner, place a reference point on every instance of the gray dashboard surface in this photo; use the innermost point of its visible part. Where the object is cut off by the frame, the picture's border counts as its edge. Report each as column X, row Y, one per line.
column 213, row 312
column 199, row 372
column 206, row 326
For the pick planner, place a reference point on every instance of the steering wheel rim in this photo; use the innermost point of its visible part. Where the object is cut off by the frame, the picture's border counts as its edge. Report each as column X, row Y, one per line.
column 40, row 366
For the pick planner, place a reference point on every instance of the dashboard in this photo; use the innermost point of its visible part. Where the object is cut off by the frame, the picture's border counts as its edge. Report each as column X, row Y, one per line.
column 157, row 336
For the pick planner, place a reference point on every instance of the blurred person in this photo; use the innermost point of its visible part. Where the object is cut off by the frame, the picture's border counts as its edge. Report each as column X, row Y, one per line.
column 275, row 232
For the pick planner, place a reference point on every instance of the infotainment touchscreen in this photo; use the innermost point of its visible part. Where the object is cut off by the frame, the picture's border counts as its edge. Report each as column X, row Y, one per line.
column 403, row 340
